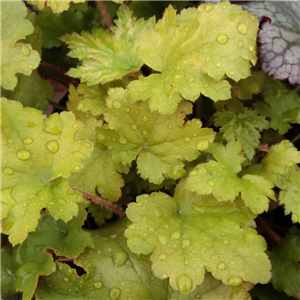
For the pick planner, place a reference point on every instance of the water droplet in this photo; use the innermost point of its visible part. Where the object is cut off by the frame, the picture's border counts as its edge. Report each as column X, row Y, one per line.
column 27, row 141
column 23, row 154
column 122, row 140
column 211, row 183
column 117, row 104
column 114, row 294
column 175, row 235
column 187, row 139
column 8, row 171
column 127, row 109
column 234, row 280
column 119, row 258
column 164, row 276
column 78, row 154
column 145, row 119
column 24, row 204
column 145, row 132
column 162, row 257
column 133, row 127
column 52, row 146
column 101, row 137
column 221, row 266
column 222, row 38
column 225, row 242
column 240, row 44
column 208, row 7
column 185, row 243
column 163, row 239
column 194, row 173
column 25, row 50
column 66, row 279
column 88, row 145
column 184, row 283
column 251, row 48
column 158, row 212
column 192, row 79
column 98, row 285
column 202, row 144
column 218, row 65
column 242, row 28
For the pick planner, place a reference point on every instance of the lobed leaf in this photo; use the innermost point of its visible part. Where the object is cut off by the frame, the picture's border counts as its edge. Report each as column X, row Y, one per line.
column 36, row 160
column 159, row 143
column 16, row 57
column 193, row 52
column 106, row 56
column 194, row 233
column 220, row 178
column 30, row 260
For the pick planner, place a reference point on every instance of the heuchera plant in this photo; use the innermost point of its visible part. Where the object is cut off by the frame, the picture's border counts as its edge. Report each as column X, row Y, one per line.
column 145, row 155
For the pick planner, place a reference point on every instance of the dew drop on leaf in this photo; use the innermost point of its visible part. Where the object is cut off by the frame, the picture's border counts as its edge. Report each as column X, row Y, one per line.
column 24, row 204
column 119, row 258
column 117, row 104
column 221, row 266
column 98, row 285
column 234, row 280
column 240, row 44
column 251, row 48
column 185, row 243
column 175, row 235
column 52, row 146
column 122, row 140
column 187, row 139
column 208, row 7
column 88, row 145
column 184, row 283
column 194, row 173
column 218, row 65
column 114, row 294
column 8, row 171
column 164, row 276
column 202, row 144
column 66, row 279
column 23, row 154
column 242, row 28
column 25, row 50
column 162, row 257
column 162, row 239
column 192, row 79
column 222, row 38
column 27, row 141
column 211, row 183
column 145, row 119
column 133, row 127
column 158, row 212
column 79, row 154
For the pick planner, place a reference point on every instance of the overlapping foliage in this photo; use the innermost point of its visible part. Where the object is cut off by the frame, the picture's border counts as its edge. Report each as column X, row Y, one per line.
column 171, row 123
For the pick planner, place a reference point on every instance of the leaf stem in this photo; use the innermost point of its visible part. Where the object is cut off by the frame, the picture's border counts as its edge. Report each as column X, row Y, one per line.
column 268, row 230
column 296, row 138
column 104, row 13
column 107, row 204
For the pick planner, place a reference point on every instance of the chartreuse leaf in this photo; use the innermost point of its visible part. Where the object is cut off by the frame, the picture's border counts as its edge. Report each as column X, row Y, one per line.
column 30, row 259
column 194, row 233
column 193, row 52
column 281, row 105
column 7, row 274
column 56, row 6
column 38, row 153
column 220, row 177
column 285, row 264
column 106, row 56
column 31, row 91
column 212, row 289
column 100, row 171
column 280, row 167
column 159, row 143
column 16, row 57
column 242, row 126
column 113, row 272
